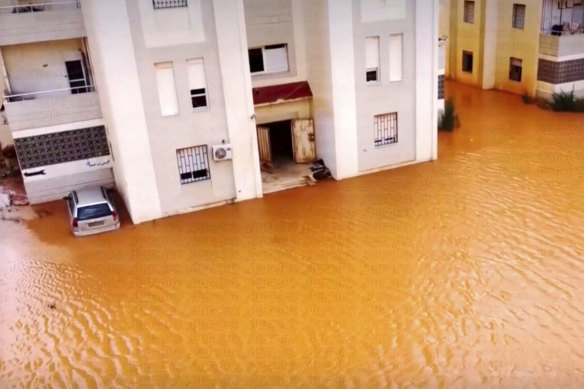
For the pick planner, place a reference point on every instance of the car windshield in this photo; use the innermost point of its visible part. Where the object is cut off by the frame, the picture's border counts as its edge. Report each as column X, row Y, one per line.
column 93, row 211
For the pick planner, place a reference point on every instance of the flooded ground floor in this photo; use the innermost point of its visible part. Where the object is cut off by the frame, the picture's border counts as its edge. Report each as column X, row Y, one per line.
column 465, row 272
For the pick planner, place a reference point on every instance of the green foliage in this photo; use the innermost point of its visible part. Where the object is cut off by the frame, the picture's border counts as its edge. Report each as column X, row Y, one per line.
column 447, row 120
column 564, row 101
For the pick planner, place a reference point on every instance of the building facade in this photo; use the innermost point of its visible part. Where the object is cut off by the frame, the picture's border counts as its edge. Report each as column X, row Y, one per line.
column 186, row 104
column 528, row 47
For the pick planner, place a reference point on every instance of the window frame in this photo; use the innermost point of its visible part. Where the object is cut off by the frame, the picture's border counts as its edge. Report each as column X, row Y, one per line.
column 167, row 4
column 263, row 53
column 193, row 92
column 375, row 69
column 392, row 68
column 385, row 136
column 160, row 66
column 514, row 21
column 196, row 161
column 513, row 69
column 468, row 18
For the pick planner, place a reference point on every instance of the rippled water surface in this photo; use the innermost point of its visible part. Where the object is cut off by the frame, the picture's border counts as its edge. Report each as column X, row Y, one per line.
column 465, row 272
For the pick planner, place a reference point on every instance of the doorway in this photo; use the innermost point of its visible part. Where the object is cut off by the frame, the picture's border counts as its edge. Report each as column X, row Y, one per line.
column 285, row 148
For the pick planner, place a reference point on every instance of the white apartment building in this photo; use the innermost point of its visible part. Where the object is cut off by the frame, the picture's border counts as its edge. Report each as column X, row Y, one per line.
column 186, row 104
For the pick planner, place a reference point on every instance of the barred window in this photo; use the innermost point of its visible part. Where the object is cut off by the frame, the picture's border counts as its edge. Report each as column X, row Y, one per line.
column 518, row 16
column 385, row 129
column 469, row 8
column 193, row 164
column 159, row 4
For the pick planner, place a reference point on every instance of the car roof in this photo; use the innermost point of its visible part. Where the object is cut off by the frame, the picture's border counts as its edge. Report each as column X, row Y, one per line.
column 89, row 196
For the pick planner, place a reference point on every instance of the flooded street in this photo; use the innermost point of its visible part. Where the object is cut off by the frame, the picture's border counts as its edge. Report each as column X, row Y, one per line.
column 464, row 272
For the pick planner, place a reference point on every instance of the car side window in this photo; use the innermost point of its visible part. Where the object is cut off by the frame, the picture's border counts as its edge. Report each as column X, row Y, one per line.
column 70, row 204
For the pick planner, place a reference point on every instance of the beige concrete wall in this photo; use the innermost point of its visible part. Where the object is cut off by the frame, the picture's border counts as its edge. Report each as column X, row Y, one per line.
column 465, row 37
column 518, row 43
column 286, row 111
column 40, row 66
column 444, row 31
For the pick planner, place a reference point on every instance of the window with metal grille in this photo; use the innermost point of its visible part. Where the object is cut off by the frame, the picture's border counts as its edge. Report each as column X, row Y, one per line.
column 515, row 69
column 518, row 16
column 193, row 164
column 385, row 129
column 469, row 8
column 159, row 4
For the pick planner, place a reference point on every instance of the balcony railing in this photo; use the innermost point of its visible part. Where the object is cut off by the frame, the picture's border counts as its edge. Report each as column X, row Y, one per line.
column 562, row 43
column 562, row 32
column 48, row 94
column 49, row 108
column 39, row 7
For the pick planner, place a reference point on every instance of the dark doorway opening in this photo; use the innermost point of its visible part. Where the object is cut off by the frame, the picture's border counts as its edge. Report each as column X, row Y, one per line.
column 281, row 141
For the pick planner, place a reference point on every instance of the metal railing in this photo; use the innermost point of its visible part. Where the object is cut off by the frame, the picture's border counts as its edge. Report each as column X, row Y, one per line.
column 38, row 7
column 159, row 4
column 562, row 32
column 48, row 94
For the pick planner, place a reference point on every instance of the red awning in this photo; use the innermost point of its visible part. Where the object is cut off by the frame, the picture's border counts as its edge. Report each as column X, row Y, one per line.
column 281, row 93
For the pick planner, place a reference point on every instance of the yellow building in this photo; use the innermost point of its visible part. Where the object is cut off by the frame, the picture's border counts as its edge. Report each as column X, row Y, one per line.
column 532, row 47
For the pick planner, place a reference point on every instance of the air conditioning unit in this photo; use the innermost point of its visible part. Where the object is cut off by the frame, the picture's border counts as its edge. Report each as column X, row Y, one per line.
column 222, row 152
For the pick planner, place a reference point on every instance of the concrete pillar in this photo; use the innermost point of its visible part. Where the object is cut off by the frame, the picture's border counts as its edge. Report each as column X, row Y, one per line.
column 340, row 20
column 116, row 76
column 237, row 89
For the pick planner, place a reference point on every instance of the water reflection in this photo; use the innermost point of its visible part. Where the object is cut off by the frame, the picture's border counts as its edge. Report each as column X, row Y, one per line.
column 462, row 272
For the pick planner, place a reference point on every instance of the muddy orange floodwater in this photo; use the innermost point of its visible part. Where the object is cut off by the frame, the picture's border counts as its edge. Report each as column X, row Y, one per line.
column 466, row 272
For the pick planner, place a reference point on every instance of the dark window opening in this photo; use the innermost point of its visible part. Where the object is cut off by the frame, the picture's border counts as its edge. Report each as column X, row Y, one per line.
column 256, row 60
column 515, row 69
column 371, row 75
column 467, row 61
column 198, row 98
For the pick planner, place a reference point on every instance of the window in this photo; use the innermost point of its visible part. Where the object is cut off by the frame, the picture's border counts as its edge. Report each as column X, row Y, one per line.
column 372, row 59
column 268, row 59
column 193, row 164
column 166, row 89
column 158, row 4
column 197, row 83
column 469, row 7
column 467, row 61
column 385, row 129
column 515, row 67
column 396, row 57
column 518, row 16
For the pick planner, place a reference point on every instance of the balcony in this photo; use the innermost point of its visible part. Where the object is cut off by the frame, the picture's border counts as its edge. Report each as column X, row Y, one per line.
column 37, row 22
column 561, row 43
column 50, row 108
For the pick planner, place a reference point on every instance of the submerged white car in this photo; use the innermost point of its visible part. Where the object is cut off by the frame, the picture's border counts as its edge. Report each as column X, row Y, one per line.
column 92, row 211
